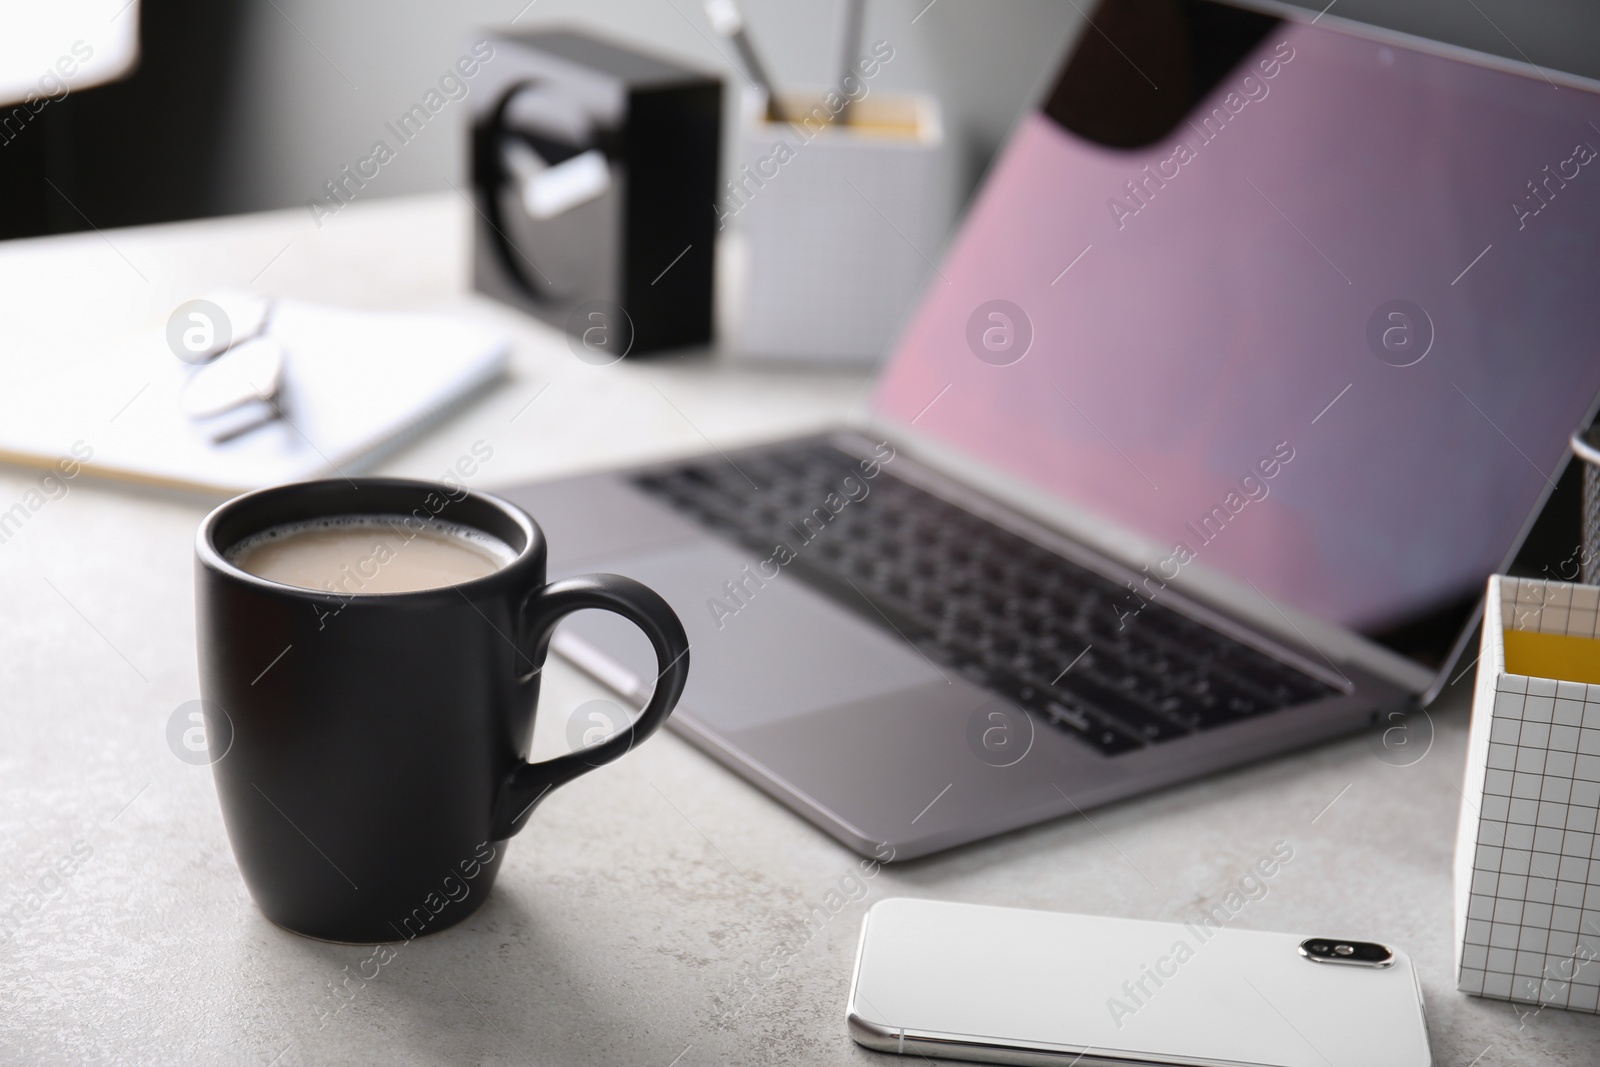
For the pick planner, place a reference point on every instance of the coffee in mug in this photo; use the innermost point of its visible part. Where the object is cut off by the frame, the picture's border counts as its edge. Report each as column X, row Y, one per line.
column 358, row 554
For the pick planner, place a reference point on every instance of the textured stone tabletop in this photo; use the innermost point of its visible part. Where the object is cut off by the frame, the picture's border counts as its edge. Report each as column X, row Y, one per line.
column 637, row 919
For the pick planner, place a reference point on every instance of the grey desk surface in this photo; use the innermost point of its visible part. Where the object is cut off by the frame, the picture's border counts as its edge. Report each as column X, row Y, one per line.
column 635, row 920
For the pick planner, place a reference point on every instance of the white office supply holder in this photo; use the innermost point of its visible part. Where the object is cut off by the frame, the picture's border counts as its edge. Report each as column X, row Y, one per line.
column 1527, row 878
column 835, row 226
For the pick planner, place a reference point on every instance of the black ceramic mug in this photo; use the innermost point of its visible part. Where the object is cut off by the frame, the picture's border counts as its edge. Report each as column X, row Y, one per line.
column 370, row 750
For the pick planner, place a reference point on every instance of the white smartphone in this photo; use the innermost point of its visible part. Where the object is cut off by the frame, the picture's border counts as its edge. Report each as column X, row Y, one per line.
column 1003, row 985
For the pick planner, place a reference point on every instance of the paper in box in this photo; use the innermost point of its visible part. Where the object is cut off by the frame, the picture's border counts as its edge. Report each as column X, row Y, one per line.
column 1527, row 879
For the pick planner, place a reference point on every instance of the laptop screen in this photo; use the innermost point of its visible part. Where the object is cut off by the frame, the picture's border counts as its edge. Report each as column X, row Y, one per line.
column 1314, row 308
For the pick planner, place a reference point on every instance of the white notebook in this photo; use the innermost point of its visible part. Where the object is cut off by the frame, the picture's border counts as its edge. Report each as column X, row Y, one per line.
column 355, row 383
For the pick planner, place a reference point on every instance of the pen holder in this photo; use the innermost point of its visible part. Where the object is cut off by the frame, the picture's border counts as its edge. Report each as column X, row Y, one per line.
column 1527, row 879
column 836, row 225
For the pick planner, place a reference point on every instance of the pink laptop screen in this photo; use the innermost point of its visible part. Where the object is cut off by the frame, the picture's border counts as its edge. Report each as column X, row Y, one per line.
column 1327, row 331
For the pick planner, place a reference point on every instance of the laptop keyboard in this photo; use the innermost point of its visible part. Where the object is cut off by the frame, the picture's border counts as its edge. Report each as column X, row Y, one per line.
column 1051, row 635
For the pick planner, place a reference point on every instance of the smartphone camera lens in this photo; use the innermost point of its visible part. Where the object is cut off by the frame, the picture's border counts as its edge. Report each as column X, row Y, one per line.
column 1359, row 953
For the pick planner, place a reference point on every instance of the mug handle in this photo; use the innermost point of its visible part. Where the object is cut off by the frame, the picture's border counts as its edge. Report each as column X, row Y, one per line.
column 530, row 783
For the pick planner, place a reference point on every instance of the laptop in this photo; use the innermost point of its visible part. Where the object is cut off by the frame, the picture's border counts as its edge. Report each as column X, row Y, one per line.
column 1257, row 352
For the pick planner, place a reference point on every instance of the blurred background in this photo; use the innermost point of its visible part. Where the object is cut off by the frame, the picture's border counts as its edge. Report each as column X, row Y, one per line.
column 251, row 105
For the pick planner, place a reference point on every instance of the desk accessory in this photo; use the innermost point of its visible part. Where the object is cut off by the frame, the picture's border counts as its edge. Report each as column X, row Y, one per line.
column 353, row 384
column 1005, row 985
column 1527, row 876
column 594, row 170
column 851, row 15
column 838, row 223
column 370, row 749
column 728, row 20
column 238, row 375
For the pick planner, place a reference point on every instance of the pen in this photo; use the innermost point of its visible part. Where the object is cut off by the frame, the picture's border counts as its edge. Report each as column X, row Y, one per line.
column 850, row 17
column 728, row 21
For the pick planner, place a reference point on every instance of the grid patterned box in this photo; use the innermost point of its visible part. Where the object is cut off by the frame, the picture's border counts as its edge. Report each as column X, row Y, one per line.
column 1527, row 868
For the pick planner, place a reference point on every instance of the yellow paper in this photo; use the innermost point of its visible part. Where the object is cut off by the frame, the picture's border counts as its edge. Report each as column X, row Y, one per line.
column 1558, row 656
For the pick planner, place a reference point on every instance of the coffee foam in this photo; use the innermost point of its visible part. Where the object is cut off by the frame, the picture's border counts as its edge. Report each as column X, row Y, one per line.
column 395, row 524
column 394, row 533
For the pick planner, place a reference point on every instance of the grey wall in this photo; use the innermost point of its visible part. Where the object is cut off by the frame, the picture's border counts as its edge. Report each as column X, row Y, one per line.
column 317, row 80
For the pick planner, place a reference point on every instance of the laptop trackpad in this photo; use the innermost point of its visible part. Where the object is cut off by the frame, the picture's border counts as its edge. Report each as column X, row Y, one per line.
column 775, row 650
